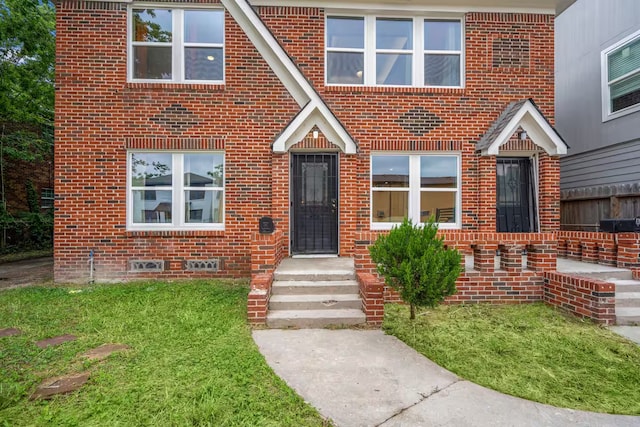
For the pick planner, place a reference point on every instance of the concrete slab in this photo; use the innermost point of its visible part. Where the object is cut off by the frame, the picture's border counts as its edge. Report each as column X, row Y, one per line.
column 330, row 268
column 604, row 272
column 315, row 318
column 366, row 378
column 468, row 404
column 629, row 332
column 355, row 378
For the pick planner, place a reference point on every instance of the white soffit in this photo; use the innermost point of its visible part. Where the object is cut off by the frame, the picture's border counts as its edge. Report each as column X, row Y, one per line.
column 314, row 110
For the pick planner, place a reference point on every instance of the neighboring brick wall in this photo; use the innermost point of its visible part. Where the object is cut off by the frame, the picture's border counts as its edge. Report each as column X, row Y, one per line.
column 17, row 173
column 97, row 112
column 581, row 296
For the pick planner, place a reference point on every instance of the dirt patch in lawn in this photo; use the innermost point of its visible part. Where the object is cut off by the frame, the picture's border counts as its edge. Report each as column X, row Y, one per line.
column 25, row 273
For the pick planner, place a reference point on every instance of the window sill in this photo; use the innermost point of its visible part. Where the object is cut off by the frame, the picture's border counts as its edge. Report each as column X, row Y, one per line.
column 175, row 86
column 394, row 89
column 175, row 233
column 621, row 113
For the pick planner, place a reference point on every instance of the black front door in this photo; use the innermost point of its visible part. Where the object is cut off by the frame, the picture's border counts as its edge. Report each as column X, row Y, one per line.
column 314, row 215
column 516, row 207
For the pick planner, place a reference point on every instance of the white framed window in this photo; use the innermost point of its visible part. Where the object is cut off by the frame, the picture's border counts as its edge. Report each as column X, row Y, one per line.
column 415, row 186
column 175, row 190
column 394, row 51
column 176, row 45
column 621, row 78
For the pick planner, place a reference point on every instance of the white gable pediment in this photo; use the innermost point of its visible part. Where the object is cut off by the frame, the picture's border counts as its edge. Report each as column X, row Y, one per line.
column 526, row 115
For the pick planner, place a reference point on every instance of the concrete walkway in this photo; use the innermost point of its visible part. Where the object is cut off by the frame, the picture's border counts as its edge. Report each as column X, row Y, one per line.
column 367, row 378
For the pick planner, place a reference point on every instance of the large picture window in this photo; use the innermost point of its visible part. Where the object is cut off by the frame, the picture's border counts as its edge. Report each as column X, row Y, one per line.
column 621, row 77
column 414, row 186
column 177, row 45
column 175, row 190
column 389, row 51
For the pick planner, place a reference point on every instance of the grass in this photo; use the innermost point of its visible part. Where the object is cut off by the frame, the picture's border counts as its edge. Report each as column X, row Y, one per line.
column 192, row 359
column 530, row 351
column 19, row 256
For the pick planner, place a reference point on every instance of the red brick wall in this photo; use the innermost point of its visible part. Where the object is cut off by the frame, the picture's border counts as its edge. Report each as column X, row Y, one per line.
column 99, row 115
column 617, row 250
column 581, row 296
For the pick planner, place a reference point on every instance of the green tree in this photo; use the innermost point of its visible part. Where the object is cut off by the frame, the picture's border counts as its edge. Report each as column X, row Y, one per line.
column 415, row 262
column 27, row 58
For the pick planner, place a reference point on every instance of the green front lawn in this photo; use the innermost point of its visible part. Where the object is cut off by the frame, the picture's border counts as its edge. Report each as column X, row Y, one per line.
column 192, row 360
column 530, row 351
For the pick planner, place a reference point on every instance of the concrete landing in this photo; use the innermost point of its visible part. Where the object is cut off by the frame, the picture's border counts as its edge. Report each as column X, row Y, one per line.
column 604, row 272
column 367, row 378
column 312, row 269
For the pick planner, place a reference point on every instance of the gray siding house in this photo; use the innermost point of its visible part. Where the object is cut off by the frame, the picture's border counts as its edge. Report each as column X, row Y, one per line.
column 597, row 56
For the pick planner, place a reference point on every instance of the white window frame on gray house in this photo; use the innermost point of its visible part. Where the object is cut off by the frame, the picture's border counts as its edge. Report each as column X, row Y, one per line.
column 368, row 50
column 170, row 196
column 413, row 186
column 620, row 75
column 192, row 51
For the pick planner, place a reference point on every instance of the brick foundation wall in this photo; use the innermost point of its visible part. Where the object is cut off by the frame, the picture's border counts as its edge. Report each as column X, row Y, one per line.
column 582, row 296
column 99, row 116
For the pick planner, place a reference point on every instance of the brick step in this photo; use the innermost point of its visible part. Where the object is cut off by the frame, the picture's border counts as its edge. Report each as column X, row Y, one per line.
column 628, row 316
column 314, row 318
column 623, row 286
column 315, row 302
column 306, row 287
column 628, row 299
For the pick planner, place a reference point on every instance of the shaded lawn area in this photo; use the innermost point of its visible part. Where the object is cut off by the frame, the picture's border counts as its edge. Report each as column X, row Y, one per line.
column 192, row 359
column 531, row 351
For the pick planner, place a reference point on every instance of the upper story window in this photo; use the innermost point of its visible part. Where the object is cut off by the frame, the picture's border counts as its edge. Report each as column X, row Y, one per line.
column 176, row 45
column 621, row 77
column 385, row 51
column 417, row 187
column 175, row 190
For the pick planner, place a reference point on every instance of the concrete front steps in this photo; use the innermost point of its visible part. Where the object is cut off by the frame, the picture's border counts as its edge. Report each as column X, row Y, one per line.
column 315, row 293
column 627, row 301
column 627, row 289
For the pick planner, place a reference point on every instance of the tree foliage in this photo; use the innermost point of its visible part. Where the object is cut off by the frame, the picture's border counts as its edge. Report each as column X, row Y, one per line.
column 415, row 262
column 27, row 60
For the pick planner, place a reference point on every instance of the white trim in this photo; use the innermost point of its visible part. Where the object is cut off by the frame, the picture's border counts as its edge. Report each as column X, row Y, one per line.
column 412, row 6
column 607, row 114
column 417, row 52
column 315, row 110
column 414, row 189
column 177, row 44
column 536, row 126
column 178, row 222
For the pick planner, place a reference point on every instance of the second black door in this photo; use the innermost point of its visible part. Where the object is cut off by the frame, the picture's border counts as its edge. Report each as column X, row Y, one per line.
column 314, row 216
column 516, row 207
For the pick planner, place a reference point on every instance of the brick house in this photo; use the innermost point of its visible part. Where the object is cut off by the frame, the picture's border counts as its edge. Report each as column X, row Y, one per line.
column 179, row 126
